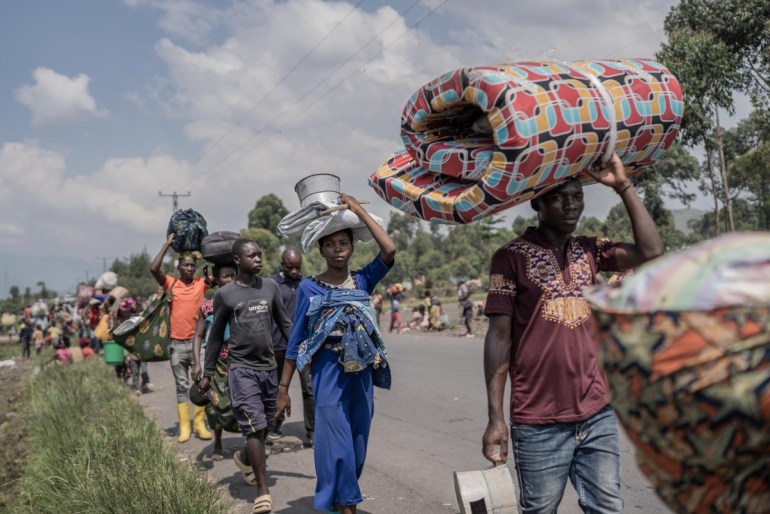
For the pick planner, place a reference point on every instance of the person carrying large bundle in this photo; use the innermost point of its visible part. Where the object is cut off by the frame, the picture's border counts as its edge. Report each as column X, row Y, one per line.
column 335, row 333
column 188, row 293
column 541, row 336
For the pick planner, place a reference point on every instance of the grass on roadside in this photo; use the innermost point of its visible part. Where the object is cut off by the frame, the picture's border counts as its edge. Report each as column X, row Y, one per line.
column 93, row 449
column 9, row 351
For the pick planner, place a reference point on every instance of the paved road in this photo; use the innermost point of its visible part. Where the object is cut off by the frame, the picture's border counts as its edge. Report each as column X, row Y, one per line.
column 429, row 425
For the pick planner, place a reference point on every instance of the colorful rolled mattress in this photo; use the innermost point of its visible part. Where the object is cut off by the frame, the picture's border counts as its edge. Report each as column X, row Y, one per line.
column 480, row 140
column 685, row 346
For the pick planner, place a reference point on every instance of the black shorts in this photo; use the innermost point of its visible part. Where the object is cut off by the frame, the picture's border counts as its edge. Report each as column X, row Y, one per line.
column 252, row 397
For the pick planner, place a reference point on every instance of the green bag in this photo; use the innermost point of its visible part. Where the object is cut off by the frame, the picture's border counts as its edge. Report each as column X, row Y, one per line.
column 147, row 335
column 218, row 411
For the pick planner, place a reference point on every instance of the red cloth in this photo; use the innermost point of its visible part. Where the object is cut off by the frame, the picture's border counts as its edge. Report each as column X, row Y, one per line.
column 554, row 373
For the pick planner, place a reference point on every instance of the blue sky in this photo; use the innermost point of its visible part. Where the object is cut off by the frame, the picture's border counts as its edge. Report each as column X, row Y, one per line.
column 106, row 102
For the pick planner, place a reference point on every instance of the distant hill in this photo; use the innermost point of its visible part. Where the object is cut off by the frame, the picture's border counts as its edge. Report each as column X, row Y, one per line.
column 683, row 216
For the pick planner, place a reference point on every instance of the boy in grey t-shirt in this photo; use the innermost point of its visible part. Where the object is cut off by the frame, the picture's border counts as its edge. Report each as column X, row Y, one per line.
column 249, row 304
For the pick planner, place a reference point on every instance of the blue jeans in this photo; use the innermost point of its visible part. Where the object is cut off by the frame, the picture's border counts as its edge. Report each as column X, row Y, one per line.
column 588, row 452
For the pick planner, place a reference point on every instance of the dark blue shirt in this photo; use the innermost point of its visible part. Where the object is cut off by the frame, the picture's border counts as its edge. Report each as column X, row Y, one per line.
column 288, row 288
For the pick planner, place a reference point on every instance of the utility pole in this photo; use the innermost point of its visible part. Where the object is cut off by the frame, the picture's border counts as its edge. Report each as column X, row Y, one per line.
column 104, row 263
column 174, row 198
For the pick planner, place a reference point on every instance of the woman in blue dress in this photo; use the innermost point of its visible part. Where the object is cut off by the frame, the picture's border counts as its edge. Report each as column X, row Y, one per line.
column 335, row 332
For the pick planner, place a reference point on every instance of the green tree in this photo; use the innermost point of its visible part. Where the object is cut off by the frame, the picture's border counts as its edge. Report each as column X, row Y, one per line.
column 741, row 28
column 707, row 72
column 521, row 223
column 14, row 292
column 591, row 226
column 133, row 274
column 744, row 220
column 402, row 228
column 618, row 224
column 748, row 155
column 266, row 214
column 715, row 48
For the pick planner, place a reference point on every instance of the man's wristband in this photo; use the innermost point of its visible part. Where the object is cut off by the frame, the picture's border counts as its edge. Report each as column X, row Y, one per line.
column 284, row 385
column 623, row 188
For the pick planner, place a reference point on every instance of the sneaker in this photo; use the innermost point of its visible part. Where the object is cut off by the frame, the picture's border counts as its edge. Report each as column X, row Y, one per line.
column 274, row 436
column 148, row 388
column 137, row 392
column 310, row 441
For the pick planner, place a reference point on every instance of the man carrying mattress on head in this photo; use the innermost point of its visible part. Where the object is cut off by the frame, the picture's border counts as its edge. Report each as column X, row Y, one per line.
column 541, row 335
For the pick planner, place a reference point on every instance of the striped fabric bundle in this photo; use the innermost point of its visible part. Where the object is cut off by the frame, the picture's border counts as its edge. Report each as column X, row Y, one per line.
column 481, row 140
column 685, row 346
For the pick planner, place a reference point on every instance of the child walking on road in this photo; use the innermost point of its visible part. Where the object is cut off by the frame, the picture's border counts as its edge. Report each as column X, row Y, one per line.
column 250, row 305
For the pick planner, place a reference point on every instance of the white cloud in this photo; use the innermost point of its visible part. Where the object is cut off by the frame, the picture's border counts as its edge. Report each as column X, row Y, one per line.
column 55, row 97
column 116, row 205
column 192, row 21
column 261, row 134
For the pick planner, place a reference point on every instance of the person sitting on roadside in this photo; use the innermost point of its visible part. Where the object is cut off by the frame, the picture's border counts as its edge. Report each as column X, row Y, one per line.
column 435, row 316
column 85, row 347
column 61, row 354
column 418, row 314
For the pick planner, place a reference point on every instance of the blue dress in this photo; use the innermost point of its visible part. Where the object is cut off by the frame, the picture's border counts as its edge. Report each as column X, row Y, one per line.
column 344, row 402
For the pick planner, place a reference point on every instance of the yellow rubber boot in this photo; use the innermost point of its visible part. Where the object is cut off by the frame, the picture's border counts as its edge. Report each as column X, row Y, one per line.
column 199, row 423
column 183, row 409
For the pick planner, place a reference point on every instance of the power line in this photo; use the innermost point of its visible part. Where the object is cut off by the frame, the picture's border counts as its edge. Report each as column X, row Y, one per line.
column 275, row 86
column 174, row 198
column 321, row 82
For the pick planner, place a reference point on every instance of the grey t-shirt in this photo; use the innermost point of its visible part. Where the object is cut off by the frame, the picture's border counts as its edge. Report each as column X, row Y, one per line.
column 250, row 311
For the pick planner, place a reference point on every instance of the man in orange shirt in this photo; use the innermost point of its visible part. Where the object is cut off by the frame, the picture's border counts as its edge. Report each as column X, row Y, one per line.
column 188, row 293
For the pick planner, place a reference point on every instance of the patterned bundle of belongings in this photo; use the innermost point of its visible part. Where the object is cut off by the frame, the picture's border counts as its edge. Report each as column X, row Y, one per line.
column 189, row 229
column 480, row 140
column 685, row 346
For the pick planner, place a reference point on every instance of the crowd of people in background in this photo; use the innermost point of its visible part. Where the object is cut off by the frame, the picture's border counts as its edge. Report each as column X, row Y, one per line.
column 69, row 330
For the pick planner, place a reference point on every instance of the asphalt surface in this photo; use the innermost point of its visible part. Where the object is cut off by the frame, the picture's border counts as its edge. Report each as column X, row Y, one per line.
column 426, row 427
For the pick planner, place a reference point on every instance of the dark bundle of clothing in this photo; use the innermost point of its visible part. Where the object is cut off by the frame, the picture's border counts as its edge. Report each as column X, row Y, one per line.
column 189, row 229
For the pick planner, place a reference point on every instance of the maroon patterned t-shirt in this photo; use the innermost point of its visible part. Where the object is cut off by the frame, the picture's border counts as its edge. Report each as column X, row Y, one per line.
column 554, row 374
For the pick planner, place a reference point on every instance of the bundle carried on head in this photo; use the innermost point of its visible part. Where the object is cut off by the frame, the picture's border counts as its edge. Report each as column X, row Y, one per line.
column 480, row 140
column 684, row 343
column 217, row 247
column 189, row 229
column 106, row 281
column 318, row 215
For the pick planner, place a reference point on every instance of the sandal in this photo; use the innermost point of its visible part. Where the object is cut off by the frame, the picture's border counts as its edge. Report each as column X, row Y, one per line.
column 262, row 504
column 246, row 472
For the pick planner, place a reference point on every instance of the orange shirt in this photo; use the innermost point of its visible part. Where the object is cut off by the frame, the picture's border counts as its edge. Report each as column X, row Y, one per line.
column 185, row 306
